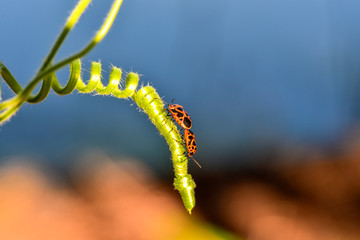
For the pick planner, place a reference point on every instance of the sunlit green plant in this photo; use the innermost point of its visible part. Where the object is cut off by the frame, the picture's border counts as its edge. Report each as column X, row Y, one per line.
column 146, row 97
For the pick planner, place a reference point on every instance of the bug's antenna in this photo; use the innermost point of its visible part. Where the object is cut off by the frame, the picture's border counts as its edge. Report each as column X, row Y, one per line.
column 196, row 162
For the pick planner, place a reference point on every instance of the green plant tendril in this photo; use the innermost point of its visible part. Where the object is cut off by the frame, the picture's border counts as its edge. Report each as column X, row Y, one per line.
column 146, row 97
column 9, row 107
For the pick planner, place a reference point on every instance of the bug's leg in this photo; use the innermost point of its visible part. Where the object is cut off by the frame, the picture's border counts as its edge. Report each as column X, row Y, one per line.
column 193, row 160
column 172, row 119
column 182, row 143
column 184, row 153
column 163, row 122
column 169, row 114
column 160, row 99
column 171, row 131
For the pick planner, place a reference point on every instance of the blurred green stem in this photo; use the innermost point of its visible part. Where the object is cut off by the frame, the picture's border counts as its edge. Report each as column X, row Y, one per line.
column 9, row 107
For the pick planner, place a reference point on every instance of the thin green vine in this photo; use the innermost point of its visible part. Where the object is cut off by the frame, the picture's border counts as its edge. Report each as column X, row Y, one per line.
column 146, row 97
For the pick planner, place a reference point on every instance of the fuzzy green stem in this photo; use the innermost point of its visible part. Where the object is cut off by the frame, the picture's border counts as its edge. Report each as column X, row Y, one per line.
column 148, row 100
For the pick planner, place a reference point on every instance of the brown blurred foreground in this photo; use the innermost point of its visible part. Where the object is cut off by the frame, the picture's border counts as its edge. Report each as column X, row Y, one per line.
column 315, row 199
column 108, row 201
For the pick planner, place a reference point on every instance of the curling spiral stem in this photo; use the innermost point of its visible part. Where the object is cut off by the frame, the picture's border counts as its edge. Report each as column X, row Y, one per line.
column 146, row 98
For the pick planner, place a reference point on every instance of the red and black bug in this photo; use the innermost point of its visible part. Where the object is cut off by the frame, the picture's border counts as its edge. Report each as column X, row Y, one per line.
column 180, row 115
column 189, row 138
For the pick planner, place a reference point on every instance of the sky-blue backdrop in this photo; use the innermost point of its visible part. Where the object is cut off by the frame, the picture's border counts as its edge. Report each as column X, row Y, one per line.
column 253, row 75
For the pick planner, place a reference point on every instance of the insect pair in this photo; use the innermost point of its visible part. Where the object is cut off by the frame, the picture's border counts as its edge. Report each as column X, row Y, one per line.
column 182, row 118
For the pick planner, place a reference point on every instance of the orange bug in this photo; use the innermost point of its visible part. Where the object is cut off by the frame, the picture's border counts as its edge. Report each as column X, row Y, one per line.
column 180, row 115
column 191, row 147
column 189, row 138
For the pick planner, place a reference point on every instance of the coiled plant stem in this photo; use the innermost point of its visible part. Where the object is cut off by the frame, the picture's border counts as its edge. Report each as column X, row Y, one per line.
column 146, row 97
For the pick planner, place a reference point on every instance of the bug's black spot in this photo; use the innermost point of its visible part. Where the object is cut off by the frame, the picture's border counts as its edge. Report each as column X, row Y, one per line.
column 179, row 114
column 187, row 122
column 180, row 109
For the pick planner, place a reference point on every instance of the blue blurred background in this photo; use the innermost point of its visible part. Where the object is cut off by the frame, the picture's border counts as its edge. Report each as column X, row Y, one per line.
column 255, row 77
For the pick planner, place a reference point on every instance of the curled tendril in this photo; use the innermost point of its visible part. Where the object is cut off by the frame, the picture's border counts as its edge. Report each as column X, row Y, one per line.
column 46, row 72
column 146, row 97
